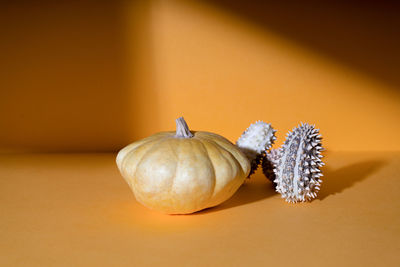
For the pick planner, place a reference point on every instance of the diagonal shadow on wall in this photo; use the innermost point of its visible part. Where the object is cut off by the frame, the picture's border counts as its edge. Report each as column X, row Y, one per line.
column 362, row 34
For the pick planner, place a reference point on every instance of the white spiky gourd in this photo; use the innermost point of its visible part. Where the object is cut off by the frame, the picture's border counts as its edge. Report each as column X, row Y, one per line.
column 255, row 141
column 269, row 162
column 297, row 173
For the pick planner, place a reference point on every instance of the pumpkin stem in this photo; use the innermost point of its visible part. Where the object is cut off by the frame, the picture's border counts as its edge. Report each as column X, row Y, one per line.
column 182, row 129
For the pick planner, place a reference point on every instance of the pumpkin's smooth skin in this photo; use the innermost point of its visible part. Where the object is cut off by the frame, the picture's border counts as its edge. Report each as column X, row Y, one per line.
column 178, row 175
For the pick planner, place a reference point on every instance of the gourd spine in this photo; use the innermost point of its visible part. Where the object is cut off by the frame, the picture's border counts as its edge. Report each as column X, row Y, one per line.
column 297, row 164
column 269, row 163
column 255, row 141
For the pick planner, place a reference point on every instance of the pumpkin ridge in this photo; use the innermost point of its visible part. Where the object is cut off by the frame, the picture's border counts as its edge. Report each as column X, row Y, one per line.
column 123, row 153
column 212, row 164
column 236, row 171
column 176, row 167
column 129, row 154
column 142, row 144
column 229, row 152
column 147, row 152
column 207, row 156
column 222, row 142
column 195, row 151
column 173, row 150
column 223, row 148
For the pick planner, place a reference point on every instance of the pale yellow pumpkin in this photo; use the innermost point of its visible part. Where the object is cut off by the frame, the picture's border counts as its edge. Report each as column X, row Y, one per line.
column 183, row 172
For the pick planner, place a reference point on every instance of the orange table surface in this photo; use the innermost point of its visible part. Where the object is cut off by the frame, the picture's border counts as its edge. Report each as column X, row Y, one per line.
column 76, row 210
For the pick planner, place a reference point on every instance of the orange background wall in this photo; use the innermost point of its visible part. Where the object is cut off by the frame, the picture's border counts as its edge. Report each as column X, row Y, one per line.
column 94, row 76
